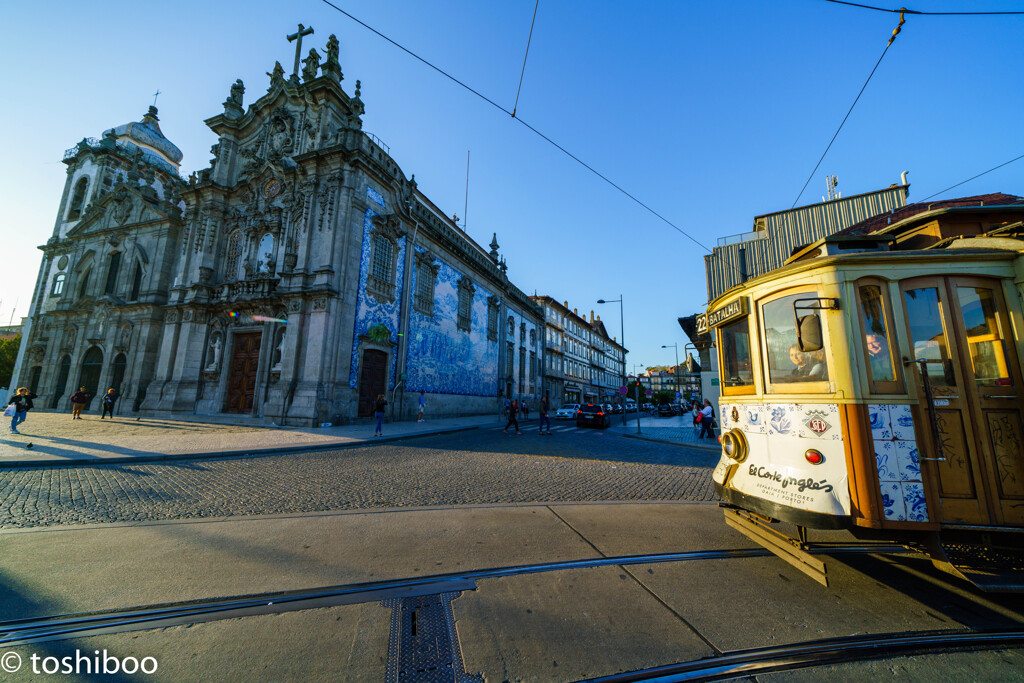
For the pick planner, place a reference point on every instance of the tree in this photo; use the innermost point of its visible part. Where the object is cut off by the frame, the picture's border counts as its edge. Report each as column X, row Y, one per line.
column 663, row 397
column 8, row 355
column 631, row 392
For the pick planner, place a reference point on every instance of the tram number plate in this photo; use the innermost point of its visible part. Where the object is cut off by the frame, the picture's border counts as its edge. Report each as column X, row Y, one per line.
column 941, row 402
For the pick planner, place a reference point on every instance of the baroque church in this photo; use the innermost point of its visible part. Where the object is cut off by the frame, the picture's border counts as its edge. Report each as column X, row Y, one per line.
column 294, row 280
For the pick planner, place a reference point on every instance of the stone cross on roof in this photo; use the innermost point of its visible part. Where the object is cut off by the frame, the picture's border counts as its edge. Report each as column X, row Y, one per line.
column 297, row 39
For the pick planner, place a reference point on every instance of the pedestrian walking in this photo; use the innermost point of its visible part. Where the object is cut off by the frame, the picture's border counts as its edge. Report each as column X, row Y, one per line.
column 78, row 401
column 513, row 409
column 544, row 415
column 423, row 401
column 504, row 411
column 379, row 407
column 707, row 421
column 526, row 410
column 109, row 399
column 22, row 402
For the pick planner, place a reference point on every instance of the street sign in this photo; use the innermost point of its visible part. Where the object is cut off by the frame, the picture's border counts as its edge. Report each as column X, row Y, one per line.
column 679, row 394
column 649, row 392
column 622, row 390
column 714, row 381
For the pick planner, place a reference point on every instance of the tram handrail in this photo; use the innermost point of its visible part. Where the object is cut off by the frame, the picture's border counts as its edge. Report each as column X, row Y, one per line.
column 922, row 368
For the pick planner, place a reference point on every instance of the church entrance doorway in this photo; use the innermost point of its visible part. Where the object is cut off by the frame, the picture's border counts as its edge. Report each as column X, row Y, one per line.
column 372, row 380
column 89, row 377
column 242, row 377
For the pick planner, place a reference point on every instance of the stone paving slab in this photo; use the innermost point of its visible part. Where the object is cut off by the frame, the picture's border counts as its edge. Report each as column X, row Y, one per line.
column 57, row 439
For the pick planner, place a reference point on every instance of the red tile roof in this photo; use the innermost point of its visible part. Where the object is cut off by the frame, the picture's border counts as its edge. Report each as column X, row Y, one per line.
column 876, row 223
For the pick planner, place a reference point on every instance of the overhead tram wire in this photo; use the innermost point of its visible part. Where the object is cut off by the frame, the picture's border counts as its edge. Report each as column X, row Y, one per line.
column 895, row 32
column 523, row 72
column 904, row 10
column 524, row 123
column 1005, row 163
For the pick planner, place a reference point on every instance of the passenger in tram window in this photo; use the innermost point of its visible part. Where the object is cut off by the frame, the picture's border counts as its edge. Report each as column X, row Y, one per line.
column 810, row 365
column 878, row 357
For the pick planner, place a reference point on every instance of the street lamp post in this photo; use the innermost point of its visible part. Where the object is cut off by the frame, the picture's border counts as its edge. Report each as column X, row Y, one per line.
column 676, row 371
column 622, row 337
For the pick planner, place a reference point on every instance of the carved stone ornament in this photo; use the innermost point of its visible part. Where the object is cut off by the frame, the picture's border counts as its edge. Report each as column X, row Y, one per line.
column 295, row 305
column 124, row 337
column 187, row 315
column 320, row 303
column 171, row 317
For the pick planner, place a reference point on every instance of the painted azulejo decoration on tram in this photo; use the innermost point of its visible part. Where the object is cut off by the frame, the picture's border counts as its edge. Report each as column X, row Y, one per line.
column 913, row 498
column 909, row 467
column 819, row 421
column 901, row 422
column 781, row 418
column 893, row 502
column 370, row 311
column 753, row 416
column 886, row 461
column 878, row 415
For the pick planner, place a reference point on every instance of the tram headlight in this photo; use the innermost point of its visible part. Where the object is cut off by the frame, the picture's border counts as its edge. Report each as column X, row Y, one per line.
column 734, row 445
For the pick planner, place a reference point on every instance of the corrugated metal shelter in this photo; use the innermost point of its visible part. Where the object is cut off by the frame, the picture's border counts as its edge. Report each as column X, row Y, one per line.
column 738, row 258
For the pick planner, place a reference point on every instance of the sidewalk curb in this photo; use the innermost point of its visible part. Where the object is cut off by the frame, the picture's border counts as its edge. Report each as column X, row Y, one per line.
column 162, row 457
column 716, row 449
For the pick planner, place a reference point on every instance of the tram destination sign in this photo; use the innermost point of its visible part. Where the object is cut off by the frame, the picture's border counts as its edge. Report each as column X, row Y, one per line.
column 734, row 309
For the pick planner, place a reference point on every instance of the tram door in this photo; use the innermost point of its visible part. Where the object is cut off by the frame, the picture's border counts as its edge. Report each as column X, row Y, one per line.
column 960, row 327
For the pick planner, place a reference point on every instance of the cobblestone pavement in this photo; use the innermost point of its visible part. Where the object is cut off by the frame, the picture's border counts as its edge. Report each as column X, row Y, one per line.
column 476, row 467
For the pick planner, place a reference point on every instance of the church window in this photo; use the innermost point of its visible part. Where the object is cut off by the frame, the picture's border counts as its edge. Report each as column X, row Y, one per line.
column 465, row 313
column 234, row 250
column 533, row 337
column 383, row 258
column 380, row 282
column 511, row 327
column 492, row 318
column 426, row 281
column 533, row 365
column 58, row 284
column 136, row 282
column 522, row 370
column 78, row 199
column 265, row 254
column 509, row 356
column 112, row 270
column 83, row 288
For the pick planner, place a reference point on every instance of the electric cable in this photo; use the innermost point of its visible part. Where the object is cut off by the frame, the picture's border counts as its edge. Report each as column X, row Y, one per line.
column 524, row 123
column 904, row 10
column 1005, row 163
column 895, row 32
column 523, row 72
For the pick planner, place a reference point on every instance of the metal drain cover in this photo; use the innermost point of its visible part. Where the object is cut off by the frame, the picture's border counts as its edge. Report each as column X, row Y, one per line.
column 423, row 646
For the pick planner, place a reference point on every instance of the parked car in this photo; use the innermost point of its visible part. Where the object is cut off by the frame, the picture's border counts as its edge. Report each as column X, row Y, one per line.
column 567, row 412
column 617, row 409
column 630, row 407
column 666, row 410
column 591, row 415
column 608, row 409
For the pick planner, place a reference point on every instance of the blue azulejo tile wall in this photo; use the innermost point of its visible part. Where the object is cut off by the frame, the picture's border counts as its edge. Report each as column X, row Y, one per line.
column 369, row 311
column 443, row 359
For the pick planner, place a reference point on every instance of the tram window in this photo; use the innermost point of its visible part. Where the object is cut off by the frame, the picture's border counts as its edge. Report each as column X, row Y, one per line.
column 735, row 349
column 988, row 357
column 786, row 362
column 927, row 336
column 876, row 334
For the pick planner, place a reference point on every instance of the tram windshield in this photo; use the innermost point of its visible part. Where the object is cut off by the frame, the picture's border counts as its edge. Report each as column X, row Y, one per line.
column 927, row 335
column 876, row 334
column 786, row 362
column 735, row 345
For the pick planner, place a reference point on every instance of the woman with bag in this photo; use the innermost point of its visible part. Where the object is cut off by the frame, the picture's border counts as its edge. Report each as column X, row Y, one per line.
column 378, row 411
column 707, row 421
column 22, row 403
column 78, row 401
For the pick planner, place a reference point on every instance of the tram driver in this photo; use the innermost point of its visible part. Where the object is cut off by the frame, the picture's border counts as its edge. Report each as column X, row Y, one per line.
column 810, row 366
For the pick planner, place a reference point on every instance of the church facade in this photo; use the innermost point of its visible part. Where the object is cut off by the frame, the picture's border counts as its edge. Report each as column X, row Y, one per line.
column 296, row 279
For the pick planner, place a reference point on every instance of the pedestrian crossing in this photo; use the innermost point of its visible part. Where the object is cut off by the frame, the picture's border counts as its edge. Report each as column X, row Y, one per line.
column 555, row 429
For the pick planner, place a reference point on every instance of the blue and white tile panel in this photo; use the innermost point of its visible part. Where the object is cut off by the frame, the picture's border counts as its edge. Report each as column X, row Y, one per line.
column 442, row 358
column 779, row 435
column 898, row 463
column 369, row 311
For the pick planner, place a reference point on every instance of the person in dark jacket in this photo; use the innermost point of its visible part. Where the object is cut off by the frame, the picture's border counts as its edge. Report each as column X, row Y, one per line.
column 22, row 400
column 78, row 401
column 109, row 399
column 544, row 415
column 513, row 410
column 379, row 407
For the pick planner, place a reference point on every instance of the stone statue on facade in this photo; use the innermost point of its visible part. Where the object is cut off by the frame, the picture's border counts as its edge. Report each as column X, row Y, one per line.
column 215, row 347
column 276, row 76
column 233, row 105
column 310, row 65
column 332, row 67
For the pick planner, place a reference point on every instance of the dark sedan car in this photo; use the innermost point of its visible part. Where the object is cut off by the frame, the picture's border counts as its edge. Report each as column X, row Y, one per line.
column 666, row 410
column 591, row 415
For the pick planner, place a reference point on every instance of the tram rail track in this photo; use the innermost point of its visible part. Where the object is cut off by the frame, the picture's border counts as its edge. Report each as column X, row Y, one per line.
column 815, row 653
column 77, row 625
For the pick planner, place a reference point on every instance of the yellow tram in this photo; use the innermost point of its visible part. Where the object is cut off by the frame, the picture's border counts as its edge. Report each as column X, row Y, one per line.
column 874, row 384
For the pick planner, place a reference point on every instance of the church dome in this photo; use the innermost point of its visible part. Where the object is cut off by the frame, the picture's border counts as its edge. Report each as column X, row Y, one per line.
column 147, row 135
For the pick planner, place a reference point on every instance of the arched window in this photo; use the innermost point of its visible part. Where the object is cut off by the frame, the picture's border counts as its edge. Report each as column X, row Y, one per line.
column 120, row 365
column 112, row 271
column 136, row 282
column 83, row 287
column 58, row 284
column 78, row 199
column 265, row 254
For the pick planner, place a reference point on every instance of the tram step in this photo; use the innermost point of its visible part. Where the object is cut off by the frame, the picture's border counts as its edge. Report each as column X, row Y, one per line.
column 992, row 570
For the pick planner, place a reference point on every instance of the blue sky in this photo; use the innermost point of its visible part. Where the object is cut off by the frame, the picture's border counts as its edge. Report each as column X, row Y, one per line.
column 710, row 113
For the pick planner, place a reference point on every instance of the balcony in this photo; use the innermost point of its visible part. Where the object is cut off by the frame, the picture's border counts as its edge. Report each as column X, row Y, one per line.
column 742, row 237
